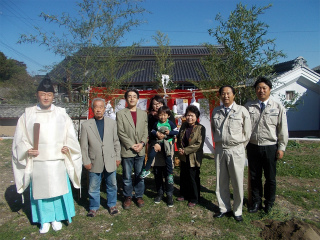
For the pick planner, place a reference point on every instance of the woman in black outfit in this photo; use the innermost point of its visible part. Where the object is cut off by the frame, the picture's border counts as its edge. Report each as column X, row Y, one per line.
column 190, row 142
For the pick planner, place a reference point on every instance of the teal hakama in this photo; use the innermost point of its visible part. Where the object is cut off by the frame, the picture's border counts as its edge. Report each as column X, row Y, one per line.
column 53, row 209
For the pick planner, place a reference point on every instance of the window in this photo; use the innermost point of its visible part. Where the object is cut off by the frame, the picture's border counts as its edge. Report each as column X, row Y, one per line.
column 289, row 95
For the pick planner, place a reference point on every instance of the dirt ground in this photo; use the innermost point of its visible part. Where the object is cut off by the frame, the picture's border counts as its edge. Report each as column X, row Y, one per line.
column 293, row 229
column 11, row 202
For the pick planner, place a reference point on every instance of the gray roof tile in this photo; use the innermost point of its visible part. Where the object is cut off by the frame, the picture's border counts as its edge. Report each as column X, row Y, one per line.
column 186, row 58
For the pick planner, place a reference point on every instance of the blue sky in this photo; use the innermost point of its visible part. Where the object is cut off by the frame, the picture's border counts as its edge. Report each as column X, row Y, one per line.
column 295, row 24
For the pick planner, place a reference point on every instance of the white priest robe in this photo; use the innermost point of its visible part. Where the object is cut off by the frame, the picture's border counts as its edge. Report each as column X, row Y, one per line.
column 48, row 170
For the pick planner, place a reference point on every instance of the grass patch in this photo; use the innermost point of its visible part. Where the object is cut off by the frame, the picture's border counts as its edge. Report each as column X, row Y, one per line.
column 307, row 198
column 5, row 153
column 300, row 160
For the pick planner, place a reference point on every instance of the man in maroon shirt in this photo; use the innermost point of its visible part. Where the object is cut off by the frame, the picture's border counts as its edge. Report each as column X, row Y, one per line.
column 132, row 126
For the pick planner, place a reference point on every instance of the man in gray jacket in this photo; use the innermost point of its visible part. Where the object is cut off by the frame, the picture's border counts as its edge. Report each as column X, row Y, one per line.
column 231, row 128
column 100, row 148
column 267, row 143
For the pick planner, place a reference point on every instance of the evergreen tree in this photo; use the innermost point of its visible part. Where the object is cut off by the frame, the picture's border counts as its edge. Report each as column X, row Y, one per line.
column 9, row 67
column 17, row 86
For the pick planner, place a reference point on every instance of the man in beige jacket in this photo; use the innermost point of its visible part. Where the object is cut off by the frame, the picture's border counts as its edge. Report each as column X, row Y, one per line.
column 231, row 128
column 267, row 143
column 100, row 148
column 133, row 133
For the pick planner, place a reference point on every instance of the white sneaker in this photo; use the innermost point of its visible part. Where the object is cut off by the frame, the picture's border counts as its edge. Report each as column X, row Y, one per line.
column 44, row 228
column 56, row 225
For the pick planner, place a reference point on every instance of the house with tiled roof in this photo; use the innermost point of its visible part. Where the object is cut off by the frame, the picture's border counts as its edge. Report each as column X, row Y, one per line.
column 187, row 64
column 295, row 78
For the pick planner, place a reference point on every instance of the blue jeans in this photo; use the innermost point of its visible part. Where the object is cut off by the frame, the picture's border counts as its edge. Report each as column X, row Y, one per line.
column 94, row 189
column 137, row 164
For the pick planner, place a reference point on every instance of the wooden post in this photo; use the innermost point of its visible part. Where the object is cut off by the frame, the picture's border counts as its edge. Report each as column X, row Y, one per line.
column 249, row 188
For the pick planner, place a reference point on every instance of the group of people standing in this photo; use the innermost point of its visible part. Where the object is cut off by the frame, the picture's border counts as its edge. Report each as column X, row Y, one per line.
column 261, row 126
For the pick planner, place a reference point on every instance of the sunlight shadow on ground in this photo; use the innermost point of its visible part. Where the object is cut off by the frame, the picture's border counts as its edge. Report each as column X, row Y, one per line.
column 15, row 203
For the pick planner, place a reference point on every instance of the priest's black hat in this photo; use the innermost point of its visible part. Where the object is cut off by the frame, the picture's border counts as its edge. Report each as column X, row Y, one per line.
column 46, row 85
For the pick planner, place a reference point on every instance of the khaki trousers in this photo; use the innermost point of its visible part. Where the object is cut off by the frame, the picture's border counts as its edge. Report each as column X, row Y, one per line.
column 230, row 165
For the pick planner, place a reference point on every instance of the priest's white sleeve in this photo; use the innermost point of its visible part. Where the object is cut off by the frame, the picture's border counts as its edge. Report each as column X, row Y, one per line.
column 73, row 160
column 22, row 165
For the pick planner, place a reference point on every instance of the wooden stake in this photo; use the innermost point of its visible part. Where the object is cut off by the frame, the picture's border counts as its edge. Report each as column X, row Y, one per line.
column 249, row 188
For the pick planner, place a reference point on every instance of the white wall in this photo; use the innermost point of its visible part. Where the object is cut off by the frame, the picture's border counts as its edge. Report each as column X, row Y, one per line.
column 307, row 117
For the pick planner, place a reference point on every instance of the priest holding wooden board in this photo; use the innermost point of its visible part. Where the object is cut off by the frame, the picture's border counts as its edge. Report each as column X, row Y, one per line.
column 46, row 155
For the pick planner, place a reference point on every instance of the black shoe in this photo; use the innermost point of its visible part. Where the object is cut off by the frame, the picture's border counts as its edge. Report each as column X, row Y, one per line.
column 158, row 199
column 221, row 214
column 238, row 218
column 268, row 208
column 255, row 208
column 170, row 201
